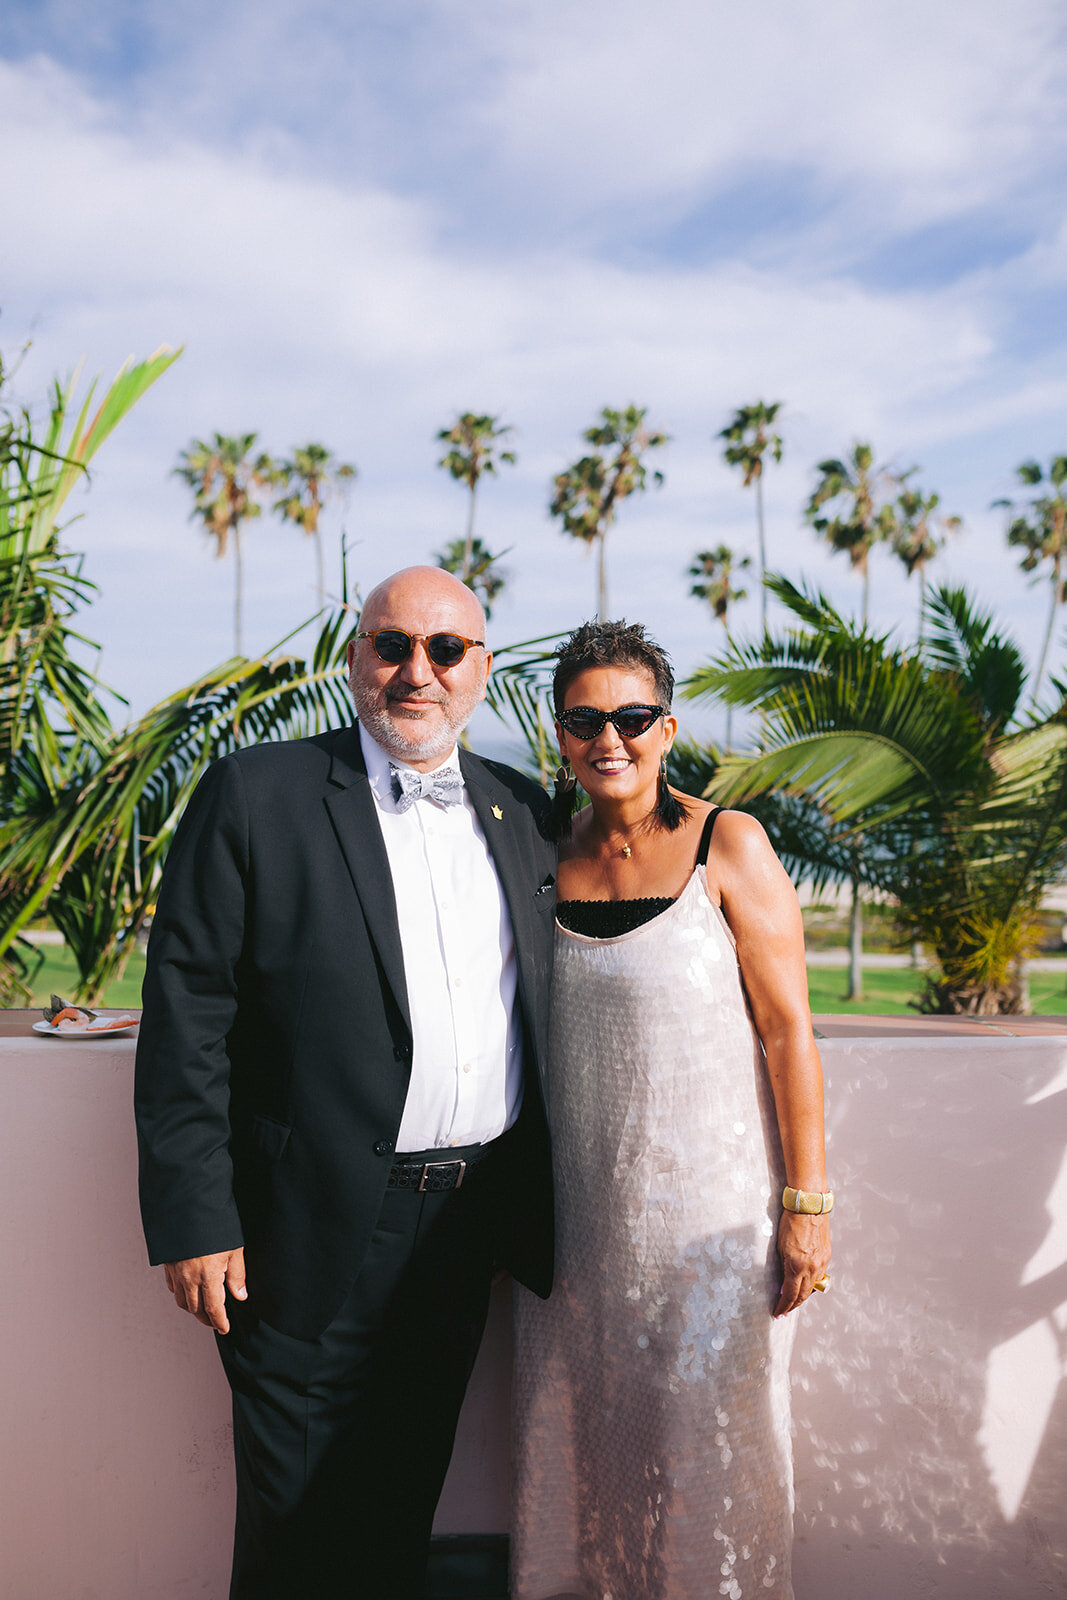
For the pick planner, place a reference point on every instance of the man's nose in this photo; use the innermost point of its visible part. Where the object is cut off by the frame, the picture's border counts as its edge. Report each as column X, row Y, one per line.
column 418, row 668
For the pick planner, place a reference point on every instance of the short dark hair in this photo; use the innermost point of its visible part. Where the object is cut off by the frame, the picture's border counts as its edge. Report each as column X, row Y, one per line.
column 611, row 644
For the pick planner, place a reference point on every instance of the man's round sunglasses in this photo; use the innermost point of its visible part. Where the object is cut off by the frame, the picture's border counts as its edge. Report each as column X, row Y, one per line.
column 393, row 645
column 586, row 722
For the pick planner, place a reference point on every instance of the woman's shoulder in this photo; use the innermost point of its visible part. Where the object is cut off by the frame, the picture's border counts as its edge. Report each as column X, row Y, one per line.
column 736, row 837
column 734, row 826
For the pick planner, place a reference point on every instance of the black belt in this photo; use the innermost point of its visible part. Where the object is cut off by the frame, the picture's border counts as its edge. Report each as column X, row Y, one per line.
column 428, row 1173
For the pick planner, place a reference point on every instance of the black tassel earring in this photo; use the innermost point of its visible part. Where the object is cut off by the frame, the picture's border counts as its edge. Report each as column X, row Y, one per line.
column 564, row 801
column 669, row 812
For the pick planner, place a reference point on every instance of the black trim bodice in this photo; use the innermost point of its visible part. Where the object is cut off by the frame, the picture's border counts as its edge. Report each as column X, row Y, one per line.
column 607, row 919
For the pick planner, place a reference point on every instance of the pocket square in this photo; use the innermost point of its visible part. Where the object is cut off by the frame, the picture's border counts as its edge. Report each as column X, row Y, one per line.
column 549, row 883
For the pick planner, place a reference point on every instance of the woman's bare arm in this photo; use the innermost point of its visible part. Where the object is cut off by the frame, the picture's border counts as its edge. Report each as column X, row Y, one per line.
column 761, row 906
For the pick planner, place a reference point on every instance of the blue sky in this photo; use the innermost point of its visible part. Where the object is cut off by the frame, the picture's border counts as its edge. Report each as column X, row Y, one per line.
column 361, row 220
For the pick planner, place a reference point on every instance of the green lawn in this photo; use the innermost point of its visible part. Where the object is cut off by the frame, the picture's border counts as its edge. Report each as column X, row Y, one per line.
column 58, row 975
column 885, row 990
column 888, row 990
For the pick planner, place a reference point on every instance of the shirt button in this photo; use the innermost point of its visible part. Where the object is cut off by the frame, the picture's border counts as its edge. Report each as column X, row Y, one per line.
column 383, row 1148
column 466, row 1066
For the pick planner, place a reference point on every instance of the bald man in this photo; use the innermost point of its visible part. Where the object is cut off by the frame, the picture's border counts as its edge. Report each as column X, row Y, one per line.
column 340, row 1097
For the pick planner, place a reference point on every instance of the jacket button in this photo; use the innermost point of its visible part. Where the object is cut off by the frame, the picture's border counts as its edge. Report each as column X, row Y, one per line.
column 399, row 1053
column 383, row 1148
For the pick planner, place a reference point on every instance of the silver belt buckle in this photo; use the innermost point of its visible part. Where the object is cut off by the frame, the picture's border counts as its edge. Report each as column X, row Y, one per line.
column 431, row 1166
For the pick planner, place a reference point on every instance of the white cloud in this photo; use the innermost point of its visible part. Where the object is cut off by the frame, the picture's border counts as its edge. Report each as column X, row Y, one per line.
column 906, row 112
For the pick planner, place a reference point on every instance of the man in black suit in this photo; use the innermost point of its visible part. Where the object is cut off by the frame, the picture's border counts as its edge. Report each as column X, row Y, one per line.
column 340, row 1097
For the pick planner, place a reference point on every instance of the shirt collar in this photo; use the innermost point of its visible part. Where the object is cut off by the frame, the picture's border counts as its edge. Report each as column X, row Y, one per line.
column 377, row 762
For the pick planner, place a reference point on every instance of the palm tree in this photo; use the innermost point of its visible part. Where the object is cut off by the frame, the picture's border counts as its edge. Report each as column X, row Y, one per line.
column 224, row 480
column 919, row 761
column 91, row 843
column 482, row 573
column 919, row 534
column 747, row 441
column 587, row 494
column 51, row 703
column 308, row 480
column 1041, row 533
column 864, row 516
column 713, row 573
column 475, row 450
column 713, row 570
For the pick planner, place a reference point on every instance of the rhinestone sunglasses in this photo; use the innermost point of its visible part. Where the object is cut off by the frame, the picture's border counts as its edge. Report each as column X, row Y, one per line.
column 586, row 722
column 393, row 646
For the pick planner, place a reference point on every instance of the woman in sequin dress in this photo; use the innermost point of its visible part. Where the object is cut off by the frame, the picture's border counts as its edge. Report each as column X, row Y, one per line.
column 653, row 1451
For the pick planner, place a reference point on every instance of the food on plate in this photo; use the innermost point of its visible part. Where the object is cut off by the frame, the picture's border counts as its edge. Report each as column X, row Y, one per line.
column 71, row 1018
column 58, row 1007
column 64, row 1018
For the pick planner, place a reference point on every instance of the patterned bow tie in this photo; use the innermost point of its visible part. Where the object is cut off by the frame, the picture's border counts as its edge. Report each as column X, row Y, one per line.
column 445, row 786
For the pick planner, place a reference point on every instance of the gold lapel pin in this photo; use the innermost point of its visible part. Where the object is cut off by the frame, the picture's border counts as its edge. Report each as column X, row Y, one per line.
column 497, row 813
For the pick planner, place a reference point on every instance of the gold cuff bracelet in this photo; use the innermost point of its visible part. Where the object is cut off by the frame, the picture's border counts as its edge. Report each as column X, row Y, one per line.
column 809, row 1202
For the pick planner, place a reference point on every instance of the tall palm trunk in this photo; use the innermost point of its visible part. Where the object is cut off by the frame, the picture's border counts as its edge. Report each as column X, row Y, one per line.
column 320, row 579
column 468, row 547
column 866, row 590
column 602, row 579
column 238, row 591
column 762, row 551
column 729, row 707
column 1039, row 674
column 855, row 945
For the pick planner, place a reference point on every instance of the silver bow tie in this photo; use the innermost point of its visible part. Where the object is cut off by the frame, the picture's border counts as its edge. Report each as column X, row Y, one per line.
column 445, row 786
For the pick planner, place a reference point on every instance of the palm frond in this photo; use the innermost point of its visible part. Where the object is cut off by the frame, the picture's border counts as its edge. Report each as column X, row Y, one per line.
column 65, row 459
column 106, row 833
column 960, row 638
column 520, row 688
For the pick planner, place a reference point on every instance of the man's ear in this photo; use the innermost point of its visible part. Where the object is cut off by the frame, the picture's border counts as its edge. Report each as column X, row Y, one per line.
column 488, row 670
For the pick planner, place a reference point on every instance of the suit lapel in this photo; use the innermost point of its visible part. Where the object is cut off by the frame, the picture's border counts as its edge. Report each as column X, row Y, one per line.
column 498, row 813
column 354, row 816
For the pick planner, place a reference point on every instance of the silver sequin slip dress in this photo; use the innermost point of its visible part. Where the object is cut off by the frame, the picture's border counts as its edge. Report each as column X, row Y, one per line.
column 653, row 1453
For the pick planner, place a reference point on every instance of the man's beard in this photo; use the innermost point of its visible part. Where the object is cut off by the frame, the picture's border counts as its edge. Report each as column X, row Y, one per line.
column 387, row 731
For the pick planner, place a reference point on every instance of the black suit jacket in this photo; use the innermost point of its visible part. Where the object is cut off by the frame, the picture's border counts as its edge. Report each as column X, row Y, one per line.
column 275, row 1046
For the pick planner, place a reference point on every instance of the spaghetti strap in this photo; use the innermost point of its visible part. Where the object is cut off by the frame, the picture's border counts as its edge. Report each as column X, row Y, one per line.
column 705, row 838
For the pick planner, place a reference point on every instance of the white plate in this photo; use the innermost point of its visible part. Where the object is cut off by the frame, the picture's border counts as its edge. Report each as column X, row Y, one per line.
column 82, row 1033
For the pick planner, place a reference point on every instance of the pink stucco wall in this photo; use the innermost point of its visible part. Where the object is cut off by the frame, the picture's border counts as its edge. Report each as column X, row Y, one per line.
column 930, row 1405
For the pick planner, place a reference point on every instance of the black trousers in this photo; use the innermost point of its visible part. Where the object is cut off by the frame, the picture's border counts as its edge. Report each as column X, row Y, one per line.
column 342, row 1442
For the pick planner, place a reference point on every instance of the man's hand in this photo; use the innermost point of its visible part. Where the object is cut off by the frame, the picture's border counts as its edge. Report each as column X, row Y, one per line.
column 199, row 1285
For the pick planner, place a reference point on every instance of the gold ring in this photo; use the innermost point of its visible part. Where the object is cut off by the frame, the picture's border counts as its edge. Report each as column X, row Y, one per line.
column 822, row 1284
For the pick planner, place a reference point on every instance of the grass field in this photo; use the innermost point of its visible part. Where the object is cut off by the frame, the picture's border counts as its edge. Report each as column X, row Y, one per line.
column 885, row 990
column 59, row 975
column 888, row 990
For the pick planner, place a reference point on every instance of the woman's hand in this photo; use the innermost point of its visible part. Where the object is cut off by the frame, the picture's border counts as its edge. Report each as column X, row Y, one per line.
column 804, row 1251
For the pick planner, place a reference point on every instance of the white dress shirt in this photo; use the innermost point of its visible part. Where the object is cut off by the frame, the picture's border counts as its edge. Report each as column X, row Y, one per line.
column 459, row 963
